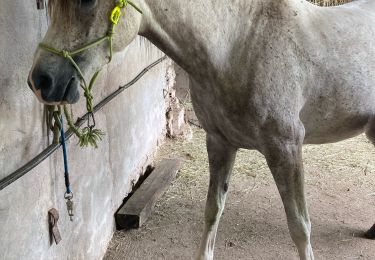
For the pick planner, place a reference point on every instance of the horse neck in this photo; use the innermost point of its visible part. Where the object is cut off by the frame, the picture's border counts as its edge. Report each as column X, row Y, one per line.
column 187, row 31
column 200, row 33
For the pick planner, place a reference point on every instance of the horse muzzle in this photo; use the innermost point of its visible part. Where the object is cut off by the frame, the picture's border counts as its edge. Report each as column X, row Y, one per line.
column 54, row 82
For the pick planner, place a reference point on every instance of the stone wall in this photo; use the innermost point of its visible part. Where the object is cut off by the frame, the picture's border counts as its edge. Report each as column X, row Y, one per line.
column 134, row 124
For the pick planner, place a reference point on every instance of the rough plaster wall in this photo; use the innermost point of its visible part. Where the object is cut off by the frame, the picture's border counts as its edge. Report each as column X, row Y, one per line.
column 182, row 84
column 183, row 95
column 134, row 123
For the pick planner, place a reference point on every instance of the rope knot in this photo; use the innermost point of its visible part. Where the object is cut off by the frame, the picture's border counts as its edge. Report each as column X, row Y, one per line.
column 121, row 3
column 89, row 100
column 88, row 95
column 110, row 33
column 65, row 54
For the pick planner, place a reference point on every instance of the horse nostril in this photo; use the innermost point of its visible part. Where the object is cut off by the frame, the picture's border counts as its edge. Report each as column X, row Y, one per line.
column 45, row 82
column 42, row 79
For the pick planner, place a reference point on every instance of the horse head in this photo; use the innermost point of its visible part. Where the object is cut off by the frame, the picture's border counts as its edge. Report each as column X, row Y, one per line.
column 80, row 40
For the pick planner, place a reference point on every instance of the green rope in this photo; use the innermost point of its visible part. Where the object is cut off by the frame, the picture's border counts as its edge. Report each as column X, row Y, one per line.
column 91, row 137
column 53, row 122
column 71, row 124
column 88, row 135
column 135, row 7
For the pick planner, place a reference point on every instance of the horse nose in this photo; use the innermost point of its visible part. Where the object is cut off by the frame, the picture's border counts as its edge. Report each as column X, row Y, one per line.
column 54, row 80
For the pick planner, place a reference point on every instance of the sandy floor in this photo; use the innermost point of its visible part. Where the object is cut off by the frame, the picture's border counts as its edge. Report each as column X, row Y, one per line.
column 340, row 186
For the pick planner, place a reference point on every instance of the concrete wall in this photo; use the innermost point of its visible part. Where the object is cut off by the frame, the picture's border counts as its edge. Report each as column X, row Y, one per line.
column 134, row 124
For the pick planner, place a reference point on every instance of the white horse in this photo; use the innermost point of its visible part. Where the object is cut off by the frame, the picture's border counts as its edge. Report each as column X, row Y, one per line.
column 269, row 75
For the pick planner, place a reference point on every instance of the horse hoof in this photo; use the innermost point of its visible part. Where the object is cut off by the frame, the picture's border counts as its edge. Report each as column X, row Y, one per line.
column 371, row 233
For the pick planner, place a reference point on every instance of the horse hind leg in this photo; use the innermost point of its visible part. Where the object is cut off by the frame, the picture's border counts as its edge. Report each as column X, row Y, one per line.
column 370, row 133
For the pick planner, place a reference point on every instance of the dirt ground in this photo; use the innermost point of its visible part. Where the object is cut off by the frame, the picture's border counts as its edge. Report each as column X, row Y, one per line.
column 340, row 187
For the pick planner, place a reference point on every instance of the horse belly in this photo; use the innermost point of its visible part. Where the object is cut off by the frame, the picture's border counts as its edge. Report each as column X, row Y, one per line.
column 335, row 119
column 319, row 133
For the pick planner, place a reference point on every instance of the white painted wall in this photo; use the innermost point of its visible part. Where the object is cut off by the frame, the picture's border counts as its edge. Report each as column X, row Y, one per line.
column 100, row 178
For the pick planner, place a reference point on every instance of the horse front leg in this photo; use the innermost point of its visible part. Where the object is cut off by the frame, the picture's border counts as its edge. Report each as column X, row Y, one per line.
column 284, row 158
column 221, row 157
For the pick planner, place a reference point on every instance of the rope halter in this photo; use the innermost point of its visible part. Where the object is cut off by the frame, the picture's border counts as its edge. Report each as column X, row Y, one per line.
column 87, row 86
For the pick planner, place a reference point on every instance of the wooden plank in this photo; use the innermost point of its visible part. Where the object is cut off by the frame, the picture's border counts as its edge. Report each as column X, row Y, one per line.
column 139, row 207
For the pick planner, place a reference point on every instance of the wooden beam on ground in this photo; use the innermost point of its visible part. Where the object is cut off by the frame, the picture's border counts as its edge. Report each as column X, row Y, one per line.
column 139, row 207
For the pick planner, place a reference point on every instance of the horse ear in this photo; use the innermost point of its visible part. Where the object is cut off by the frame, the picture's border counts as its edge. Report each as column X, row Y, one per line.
column 40, row 4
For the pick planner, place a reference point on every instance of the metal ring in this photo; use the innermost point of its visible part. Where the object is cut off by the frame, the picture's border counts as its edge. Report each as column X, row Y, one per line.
column 68, row 196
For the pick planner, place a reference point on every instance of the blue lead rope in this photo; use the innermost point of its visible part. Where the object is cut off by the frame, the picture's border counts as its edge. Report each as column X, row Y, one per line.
column 65, row 154
column 68, row 194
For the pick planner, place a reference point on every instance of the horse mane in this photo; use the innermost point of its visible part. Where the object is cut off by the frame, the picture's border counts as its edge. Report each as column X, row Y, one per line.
column 66, row 9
